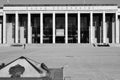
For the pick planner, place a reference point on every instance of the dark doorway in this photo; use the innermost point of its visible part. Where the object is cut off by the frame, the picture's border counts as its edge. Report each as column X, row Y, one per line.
column 98, row 27
column 85, row 24
column 60, row 28
column 35, row 23
column 72, row 28
column 47, row 28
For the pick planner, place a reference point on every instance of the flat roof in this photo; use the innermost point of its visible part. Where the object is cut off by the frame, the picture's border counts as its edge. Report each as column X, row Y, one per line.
column 60, row 4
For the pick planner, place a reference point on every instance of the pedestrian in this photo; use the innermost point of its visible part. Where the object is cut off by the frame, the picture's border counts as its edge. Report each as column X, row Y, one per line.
column 24, row 46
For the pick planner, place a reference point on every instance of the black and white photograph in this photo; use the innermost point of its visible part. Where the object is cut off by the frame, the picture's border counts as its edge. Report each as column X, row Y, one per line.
column 59, row 39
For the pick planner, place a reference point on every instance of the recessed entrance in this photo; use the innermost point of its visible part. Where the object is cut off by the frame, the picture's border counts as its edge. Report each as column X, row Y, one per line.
column 85, row 24
column 98, row 28
column 47, row 28
column 23, row 28
column 35, row 24
column 60, row 28
column 110, row 25
column 72, row 28
column 10, row 26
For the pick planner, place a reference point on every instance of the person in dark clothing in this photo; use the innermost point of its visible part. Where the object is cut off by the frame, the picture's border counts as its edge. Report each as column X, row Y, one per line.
column 24, row 46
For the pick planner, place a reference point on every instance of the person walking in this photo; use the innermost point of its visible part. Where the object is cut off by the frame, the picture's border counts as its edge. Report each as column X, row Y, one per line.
column 24, row 46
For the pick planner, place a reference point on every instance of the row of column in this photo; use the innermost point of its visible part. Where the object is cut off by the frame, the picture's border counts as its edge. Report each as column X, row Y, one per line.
column 91, row 39
column 115, row 29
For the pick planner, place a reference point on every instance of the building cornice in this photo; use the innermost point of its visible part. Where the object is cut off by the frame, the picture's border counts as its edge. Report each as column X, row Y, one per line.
column 60, row 4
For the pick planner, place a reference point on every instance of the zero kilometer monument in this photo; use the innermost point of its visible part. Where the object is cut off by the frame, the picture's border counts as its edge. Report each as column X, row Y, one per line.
column 59, row 23
column 27, row 69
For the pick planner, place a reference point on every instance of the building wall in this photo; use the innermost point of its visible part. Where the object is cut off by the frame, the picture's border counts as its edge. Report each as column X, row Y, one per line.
column 64, row 9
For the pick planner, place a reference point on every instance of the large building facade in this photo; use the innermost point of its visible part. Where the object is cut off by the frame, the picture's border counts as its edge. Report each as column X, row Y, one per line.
column 59, row 23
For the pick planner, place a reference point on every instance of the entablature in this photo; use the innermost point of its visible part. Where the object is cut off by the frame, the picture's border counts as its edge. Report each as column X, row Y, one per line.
column 61, row 8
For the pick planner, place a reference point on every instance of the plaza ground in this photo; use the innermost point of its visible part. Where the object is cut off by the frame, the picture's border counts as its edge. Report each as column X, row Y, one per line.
column 80, row 61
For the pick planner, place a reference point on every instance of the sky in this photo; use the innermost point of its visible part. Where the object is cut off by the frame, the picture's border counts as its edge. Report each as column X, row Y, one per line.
column 60, row 2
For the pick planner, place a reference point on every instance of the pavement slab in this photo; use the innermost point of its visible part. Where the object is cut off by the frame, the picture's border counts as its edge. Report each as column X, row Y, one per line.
column 80, row 62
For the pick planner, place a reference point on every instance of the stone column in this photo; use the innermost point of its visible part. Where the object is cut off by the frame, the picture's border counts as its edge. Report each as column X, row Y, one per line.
column 91, row 28
column 41, row 28
column 29, row 29
column 66, row 27
column 78, row 27
column 9, row 31
column 113, row 32
column 117, row 28
column 4, row 27
column 104, row 29
column 0, row 33
column 53, row 27
column 101, row 33
column 16, row 27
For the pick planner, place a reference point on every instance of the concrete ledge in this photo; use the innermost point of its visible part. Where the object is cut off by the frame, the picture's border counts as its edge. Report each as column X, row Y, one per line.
column 114, row 45
column 17, row 45
column 4, row 45
column 65, row 45
column 103, row 45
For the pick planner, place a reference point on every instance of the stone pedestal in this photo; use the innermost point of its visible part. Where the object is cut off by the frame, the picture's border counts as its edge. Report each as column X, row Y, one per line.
column 95, row 40
column 10, row 40
column 104, row 32
column 107, row 39
column 113, row 32
column 101, row 37
column 22, row 39
column 93, row 34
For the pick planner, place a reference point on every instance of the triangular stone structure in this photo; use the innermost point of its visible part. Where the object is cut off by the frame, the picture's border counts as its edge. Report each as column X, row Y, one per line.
column 24, row 67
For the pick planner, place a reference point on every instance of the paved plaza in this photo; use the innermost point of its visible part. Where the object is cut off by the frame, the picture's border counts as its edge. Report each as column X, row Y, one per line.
column 80, row 62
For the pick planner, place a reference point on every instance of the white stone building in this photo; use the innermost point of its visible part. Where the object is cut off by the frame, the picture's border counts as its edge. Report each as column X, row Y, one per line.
column 59, row 23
